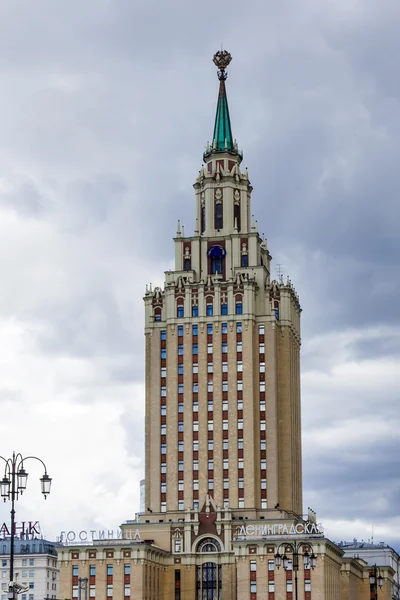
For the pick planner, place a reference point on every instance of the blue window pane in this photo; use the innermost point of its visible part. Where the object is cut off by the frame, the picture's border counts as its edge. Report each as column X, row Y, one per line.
column 179, row 312
column 180, row 369
column 180, row 349
column 224, row 327
column 186, row 265
column 224, row 347
column 224, row 309
column 163, row 353
column 209, row 328
column 195, row 311
column 180, row 329
column 238, row 308
column 276, row 313
column 195, row 387
column 157, row 316
column 239, row 327
column 195, row 330
column 245, row 260
column 180, row 388
column 195, row 349
column 163, row 334
column 209, row 310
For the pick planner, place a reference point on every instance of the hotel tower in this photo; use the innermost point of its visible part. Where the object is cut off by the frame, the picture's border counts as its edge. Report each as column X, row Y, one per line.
column 222, row 511
column 222, row 353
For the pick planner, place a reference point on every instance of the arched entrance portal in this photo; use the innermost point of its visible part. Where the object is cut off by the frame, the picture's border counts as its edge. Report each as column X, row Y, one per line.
column 209, row 574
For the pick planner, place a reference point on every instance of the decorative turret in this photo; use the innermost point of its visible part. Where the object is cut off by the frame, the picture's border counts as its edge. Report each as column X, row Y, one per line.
column 222, row 140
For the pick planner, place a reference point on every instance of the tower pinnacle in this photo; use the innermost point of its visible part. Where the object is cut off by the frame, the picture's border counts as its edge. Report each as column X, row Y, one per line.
column 222, row 140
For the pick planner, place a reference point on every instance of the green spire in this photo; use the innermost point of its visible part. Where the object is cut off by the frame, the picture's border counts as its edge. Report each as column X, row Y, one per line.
column 222, row 138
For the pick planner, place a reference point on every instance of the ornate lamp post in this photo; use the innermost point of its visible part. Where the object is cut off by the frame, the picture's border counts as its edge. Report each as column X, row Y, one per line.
column 375, row 581
column 11, row 486
column 310, row 561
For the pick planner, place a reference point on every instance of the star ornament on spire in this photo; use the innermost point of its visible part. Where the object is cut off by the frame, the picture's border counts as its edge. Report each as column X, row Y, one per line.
column 222, row 59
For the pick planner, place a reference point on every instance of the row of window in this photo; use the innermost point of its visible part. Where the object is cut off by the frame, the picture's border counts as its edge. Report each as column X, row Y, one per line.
column 180, row 310
column 109, row 590
column 92, row 570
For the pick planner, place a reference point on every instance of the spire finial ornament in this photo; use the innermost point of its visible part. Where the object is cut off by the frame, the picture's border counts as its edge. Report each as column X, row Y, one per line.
column 222, row 59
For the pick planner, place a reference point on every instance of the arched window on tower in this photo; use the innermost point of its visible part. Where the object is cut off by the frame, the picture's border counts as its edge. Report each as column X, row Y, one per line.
column 218, row 216
column 216, row 255
column 236, row 215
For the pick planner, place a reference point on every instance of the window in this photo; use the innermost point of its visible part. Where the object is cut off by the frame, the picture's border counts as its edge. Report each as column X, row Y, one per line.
column 180, row 349
column 262, row 425
column 216, row 254
column 109, row 590
column 224, row 367
column 195, row 465
column 195, row 330
column 195, row 410
column 224, row 309
column 211, row 484
column 307, row 585
column 163, row 391
column 262, row 405
column 109, row 569
column 180, row 369
column 181, row 426
column 24, row 562
column 264, row 503
column 225, row 425
column 195, row 445
column 127, row 569
column 163, row 353
column 253, row 565
column 209, row 311
column 163, row 334
column 263, row 444
column 163, row 468
column 195, row 485
column 163, row 488
column 239, row 347
column 210, row 386
column 226, row 463
column 239, row 308
column 195, row 311
column 195, row 423
column 180, row 388
column 181, row 505
column 163, row 410
column 74, row 591
column 262, row 367
column 210, row 426
column 163, row 507
column 263, row 464
column 224, row 386
column 240, row 423
column 241, row 503
column 163, row 429
column 210, row 465
column 238, row 327
column 224, row 347
column 209, row 328
column 261, row 348
column 209, row 348
column 31, row 562
column 271, row 565
column 186, row 267
column 163, row 448
column 179, row 312
column 195, row 367
column 163, row 372
column 210, row 444
column 180, row 407
column 261, row 329
column 271, row 586
column 224, row 404
column 225, row 445
column 210, row 406
column 209, row 367
column 226, row 484
column 180, row 330
column 3, row 563
column 218, row 216
column 236, row 216
column 127, row 590
column 239, row 385
column 74, row 571
column 289, row 585
column 239, row 366
column 31, row 585
column 195, row 388
column 240, row 404
column 178, row 544
column 180, row 465
column 245, row 260
column 195, row 349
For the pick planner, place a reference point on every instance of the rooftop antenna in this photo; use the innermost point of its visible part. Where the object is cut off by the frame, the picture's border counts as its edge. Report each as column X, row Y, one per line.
column 279, row 272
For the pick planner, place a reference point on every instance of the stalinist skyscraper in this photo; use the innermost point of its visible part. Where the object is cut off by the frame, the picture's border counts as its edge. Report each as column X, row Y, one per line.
column 222, row 514
column 222, row 353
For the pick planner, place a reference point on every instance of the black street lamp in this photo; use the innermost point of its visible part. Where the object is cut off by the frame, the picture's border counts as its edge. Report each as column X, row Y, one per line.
column 310, row 561
column 375, row 581
column 11, row 486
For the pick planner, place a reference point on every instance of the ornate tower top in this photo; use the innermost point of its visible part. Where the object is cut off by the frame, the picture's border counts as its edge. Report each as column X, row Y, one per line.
column 222, row 140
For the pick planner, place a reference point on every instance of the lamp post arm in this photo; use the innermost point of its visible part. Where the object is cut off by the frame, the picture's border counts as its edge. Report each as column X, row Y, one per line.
column 35, row 458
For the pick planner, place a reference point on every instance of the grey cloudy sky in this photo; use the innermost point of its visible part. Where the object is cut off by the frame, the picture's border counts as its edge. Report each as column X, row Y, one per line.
column 105, row 110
